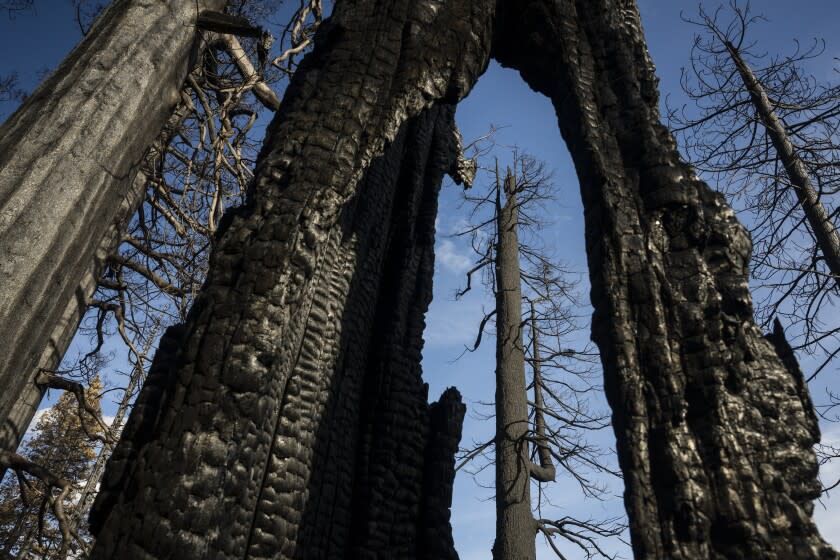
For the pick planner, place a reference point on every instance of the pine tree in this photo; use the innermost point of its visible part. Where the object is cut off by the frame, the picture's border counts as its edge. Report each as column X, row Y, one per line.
column 61, row 444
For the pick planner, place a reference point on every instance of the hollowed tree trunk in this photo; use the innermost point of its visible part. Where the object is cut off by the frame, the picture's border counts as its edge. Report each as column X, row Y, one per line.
column 714, row 434
column 287, row 418
column 69, row 160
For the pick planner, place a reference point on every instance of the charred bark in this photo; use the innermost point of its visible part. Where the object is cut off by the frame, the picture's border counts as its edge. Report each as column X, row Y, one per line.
column 714, row 437
column 69, row 160
column 287, row 417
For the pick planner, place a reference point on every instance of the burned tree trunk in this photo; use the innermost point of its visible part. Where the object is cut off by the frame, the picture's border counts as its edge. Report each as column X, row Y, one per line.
column 287, row 417
column 714, row 438
column 516, row 527
column 69, row 160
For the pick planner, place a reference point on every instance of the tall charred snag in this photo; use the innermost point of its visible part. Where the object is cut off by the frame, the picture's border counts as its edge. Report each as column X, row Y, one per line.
column 287, row 417
column 714, row 438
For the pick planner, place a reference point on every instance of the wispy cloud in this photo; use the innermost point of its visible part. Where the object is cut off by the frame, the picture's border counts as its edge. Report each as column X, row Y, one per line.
column 453, row 324
column 451, row 258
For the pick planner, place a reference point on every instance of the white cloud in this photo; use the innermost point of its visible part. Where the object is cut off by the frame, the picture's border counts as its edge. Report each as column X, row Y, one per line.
column 452, row 324
column 450, row 258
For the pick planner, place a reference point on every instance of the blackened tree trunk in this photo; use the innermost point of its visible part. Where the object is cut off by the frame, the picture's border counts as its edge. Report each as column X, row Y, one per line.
column 69, row 160
column 287, row 417
column 516, row 528
column 714, row 434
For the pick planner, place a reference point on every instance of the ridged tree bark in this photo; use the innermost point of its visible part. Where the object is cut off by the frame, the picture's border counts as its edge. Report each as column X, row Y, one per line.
column 516, row 527
column 287, row 417
column 714, row 433
column 69, row 159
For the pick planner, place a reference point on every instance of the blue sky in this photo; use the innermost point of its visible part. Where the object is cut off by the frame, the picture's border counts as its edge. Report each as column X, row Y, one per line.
column 501, row 97
column 34, row 42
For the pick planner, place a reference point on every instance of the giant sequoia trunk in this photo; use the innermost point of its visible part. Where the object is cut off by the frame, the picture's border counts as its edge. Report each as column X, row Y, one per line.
column 287, row 418
column 69, row 158
column 714, row 434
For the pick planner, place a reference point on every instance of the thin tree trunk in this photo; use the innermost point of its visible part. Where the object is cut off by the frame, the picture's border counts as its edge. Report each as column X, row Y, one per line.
column 515, row 525
column 69, row 160
column 713, row 435
column 825, row 232
column 287, row 417
column 545, row 471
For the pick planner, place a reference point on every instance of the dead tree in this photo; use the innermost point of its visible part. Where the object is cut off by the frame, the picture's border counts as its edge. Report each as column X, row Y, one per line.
column 201, row 162
column 329, row 276
column 688, row 375
column 767, row 132
column 525, row 447
column 516, row 528
column 232, row 449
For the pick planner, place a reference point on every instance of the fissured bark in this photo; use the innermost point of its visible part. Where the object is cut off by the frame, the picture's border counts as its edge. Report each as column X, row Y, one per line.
column 715, row 436
column 287, row 418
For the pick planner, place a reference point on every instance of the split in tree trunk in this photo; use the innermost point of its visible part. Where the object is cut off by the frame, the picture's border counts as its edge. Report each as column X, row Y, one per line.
column 714, row 439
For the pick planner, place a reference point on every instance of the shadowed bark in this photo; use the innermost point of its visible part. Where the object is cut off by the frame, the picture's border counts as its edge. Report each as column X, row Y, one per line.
column 69, row 159
column 287, row 418
column 714, row 438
